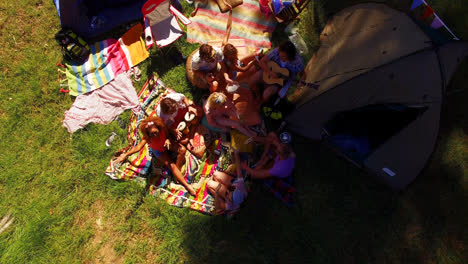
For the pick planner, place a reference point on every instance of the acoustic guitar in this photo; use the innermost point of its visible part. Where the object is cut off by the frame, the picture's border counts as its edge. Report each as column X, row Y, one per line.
column 277, row 74
column 280, row 75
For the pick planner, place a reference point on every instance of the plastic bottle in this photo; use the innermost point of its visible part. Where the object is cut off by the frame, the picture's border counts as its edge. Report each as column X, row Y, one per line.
column 299, row 42
column 110, row 139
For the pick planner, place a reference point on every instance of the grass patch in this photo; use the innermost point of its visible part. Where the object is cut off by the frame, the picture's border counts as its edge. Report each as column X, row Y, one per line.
column 67, row 211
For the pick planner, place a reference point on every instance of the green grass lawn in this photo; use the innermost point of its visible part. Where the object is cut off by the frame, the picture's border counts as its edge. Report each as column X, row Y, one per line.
column 67, row 211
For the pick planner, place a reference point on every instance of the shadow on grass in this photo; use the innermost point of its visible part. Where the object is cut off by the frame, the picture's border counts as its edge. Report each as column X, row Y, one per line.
column 164, row 59
column 343, row 215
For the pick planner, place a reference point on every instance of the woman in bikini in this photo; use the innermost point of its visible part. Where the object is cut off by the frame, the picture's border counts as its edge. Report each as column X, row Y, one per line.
column 228, row 187
column 220, row 112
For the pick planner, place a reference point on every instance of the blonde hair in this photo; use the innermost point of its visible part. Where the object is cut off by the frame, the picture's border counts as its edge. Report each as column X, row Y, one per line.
column 216, row 100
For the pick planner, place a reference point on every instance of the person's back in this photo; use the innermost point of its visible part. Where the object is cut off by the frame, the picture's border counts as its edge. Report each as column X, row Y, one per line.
column 206, row 59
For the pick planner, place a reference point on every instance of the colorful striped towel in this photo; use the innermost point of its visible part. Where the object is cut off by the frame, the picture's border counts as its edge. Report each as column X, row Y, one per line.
column 247, row 23
column 140, row 162
column 107, row 59
column 196, row 171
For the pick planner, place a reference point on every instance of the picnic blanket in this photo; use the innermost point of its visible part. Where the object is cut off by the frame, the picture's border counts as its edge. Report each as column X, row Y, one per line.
column 157, row 179
column 195, row 171
column 248, row 23
column 107, row 59
column 283, row 189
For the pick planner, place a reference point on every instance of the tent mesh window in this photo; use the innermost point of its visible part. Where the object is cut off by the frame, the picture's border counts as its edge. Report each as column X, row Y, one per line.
column 358, row 132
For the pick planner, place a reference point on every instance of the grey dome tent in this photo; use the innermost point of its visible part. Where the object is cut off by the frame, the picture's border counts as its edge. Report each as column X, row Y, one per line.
column 382, row 82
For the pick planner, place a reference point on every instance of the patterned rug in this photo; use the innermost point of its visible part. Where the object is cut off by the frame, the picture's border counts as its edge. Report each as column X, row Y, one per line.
column 248, row 23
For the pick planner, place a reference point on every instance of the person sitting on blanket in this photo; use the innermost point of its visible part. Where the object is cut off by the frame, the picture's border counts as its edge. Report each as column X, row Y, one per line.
column 231, row 65
column 228, row 189
column 220, row 113
column 283, row 159
column 205, row 61
column 155, row 134
column 285, row 56
column 172, row 111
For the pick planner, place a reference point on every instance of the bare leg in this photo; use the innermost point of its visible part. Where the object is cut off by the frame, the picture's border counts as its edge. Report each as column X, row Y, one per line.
column 222, row 178
column 176, row 172
column 217, row 189
column 180, row 150
column 269, row 92
column 237, row 125
column 255, row 78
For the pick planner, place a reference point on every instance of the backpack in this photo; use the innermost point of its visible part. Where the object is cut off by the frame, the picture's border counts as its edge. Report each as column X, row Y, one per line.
column 74, row 48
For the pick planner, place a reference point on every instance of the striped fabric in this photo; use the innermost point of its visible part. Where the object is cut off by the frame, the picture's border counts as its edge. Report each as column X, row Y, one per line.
column 140, row 162
column 247, row 23
column 176, row 195
column 107, row 59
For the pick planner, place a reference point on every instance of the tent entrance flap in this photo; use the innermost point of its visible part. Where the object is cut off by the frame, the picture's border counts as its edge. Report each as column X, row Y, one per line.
column 358, row 132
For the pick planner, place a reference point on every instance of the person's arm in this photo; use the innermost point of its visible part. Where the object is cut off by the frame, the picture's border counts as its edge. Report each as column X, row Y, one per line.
column 186, row 101
column 245, row 68
column 298, row 69
column 213, row 86
column 228, row 27
column 212, row 121
column 263, row 63
column 224, row 70
column 226, row 77
column 265, row 157
column 167, row 143
column 176, row 133
column 256, row 173
column 231, row 109
column 303, row 75
column 133, row 150
column 189, row 106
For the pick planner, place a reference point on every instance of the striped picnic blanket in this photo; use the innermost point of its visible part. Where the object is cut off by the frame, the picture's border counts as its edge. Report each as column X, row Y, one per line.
column 158, row 181
column 247, row 23
column 196, row 171
column 107, row 59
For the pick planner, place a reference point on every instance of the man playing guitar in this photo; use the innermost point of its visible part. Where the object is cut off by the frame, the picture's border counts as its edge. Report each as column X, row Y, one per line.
column 286, row 57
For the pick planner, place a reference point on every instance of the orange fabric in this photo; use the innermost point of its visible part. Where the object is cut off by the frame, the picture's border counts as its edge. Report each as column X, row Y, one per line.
column 135, row 45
